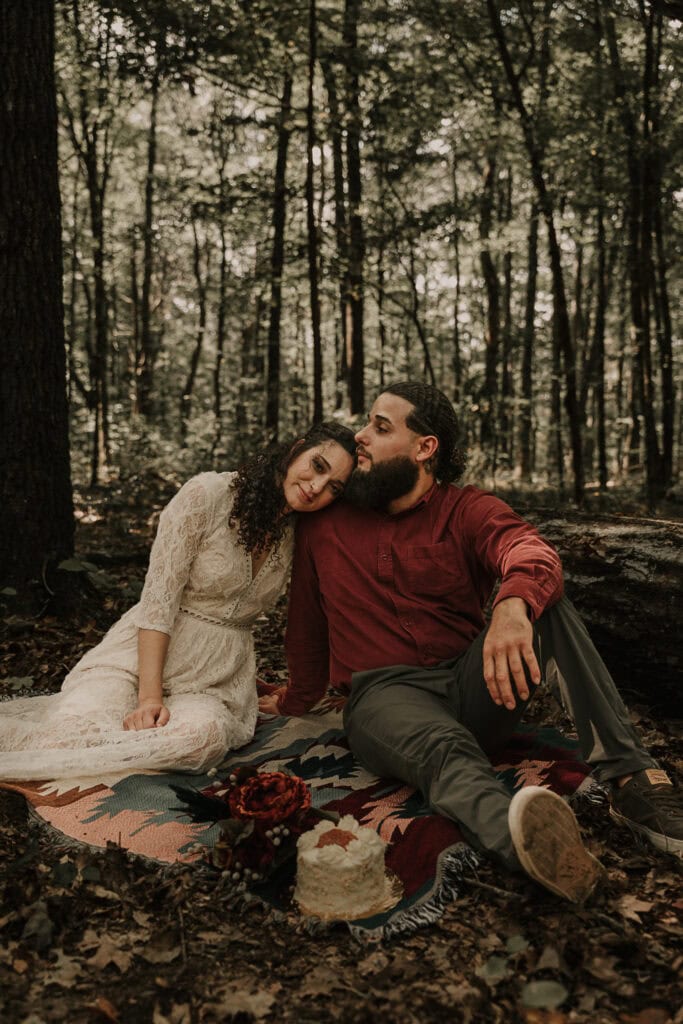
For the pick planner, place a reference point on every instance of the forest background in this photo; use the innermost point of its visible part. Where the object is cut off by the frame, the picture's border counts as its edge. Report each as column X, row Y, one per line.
column 221, row 219
column 269, row 210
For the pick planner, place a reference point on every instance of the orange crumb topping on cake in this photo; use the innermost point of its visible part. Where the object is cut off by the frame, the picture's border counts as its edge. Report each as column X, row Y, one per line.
column 336, row 837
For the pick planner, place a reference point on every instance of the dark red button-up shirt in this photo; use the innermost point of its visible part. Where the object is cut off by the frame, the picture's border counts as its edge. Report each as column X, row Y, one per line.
column 370, row 589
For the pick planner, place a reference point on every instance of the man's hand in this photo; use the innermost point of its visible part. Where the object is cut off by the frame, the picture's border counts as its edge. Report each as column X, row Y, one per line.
column 268, row 704
column 507, row 647
column 149, row 714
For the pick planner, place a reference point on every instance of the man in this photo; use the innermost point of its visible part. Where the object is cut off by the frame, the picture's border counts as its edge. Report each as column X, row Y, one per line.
column 387, row 598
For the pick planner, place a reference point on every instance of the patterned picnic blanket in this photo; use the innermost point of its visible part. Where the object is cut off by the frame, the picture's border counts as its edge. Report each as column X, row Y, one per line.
column 426, row 852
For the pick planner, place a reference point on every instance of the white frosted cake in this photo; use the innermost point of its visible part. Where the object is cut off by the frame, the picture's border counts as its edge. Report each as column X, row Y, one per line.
column 340, row 871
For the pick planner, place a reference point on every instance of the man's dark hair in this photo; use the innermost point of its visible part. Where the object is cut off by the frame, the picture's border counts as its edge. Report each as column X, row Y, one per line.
column 433, row 414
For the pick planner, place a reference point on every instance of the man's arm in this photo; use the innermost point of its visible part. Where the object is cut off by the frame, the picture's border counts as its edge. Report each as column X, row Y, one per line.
column 531, row 581
column 306, row 639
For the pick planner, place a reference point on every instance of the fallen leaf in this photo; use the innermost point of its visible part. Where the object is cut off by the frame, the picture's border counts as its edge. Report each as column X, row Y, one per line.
column 110, row 953
column 631, row 907
column 320, row 981
column 373, row 964
column 650, row 1015
column 235, row 1000
column 65, row 970
column 19, row 966
column 544, row 995
column 493, row 970
column 179, row 1014
column 107, row 1009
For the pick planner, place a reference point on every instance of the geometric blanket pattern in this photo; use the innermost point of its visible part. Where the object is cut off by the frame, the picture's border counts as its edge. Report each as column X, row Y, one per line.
column 426, row 851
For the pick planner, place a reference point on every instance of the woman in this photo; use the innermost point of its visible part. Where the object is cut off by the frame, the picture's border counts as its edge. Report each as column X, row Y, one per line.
column 172, row 684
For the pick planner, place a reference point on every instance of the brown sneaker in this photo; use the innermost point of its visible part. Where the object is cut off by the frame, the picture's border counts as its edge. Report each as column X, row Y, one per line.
column 548, row 844
column 651, row 805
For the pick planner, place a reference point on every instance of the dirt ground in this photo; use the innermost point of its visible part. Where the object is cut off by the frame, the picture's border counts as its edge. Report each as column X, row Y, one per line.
column 90, row 936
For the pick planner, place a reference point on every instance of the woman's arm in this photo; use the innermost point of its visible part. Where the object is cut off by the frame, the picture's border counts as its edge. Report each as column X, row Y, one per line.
column 151, row 711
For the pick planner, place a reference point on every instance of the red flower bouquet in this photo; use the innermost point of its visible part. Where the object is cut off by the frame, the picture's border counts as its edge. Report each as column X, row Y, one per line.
column 260, row 815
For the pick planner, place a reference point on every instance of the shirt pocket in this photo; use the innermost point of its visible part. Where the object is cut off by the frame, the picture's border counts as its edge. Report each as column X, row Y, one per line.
column 431, row 570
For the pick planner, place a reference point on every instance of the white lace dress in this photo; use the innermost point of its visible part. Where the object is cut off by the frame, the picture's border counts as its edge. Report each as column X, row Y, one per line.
column 199, row 589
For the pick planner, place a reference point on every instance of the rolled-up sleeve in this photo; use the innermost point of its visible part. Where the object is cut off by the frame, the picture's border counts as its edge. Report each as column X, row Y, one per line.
column 527, row 565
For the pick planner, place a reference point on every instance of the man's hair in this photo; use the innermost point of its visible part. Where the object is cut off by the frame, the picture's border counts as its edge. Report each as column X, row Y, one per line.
column 432, row 413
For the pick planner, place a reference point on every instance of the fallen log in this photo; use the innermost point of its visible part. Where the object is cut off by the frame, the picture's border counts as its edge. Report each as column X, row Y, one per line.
column 625, row 576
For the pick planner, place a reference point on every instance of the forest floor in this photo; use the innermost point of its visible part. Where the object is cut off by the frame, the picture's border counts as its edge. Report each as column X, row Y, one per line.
column 90, row 936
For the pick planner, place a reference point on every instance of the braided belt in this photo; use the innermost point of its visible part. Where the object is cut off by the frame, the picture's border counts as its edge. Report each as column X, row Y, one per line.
column 215, row 621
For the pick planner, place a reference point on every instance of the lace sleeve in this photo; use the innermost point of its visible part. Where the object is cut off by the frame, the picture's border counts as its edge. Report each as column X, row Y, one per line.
column 182, row 528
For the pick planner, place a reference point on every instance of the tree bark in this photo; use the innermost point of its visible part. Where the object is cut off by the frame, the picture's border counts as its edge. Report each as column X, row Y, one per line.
column 277, row 262
column 311, row 227
column 355, row 297
column 149, row 339
column 625, row 575
column 36, row 510
column 526, row 462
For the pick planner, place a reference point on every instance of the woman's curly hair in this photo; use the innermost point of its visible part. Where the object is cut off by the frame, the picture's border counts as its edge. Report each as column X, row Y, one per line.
column 258, row 506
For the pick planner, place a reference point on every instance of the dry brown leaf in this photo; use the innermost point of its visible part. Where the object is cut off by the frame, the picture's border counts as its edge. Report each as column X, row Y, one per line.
column 178, row 1014
column 320, row 981
column 19, row 966
column 373, row 964
column 238, row 1000
column 65, row 970
column 536, row 1016
column 631, row 907
column 110, row 953
column 107, row 1009
column 649, row 1015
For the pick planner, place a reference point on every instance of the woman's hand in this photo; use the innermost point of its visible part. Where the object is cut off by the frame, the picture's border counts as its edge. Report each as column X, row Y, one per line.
column 149, row 714
column 268, row 705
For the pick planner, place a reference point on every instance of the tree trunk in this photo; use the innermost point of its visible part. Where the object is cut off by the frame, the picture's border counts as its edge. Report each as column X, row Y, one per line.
column 277, row 261
column 526, row 462
column 311, row 227
column 340, row 223
column 506, row 425
column 354, row 297
column 149, row 339
column 489, row 419
column 202, row 282
column 36, row 511
column 457, row 354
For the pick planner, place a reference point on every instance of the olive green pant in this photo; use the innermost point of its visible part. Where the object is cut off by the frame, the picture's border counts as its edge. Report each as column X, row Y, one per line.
column 435, row 727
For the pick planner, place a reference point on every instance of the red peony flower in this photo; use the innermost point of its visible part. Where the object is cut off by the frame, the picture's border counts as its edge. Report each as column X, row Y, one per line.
column 269, row 797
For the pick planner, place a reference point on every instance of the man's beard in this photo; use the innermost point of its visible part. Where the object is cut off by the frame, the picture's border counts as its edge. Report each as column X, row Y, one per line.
column 384, row 482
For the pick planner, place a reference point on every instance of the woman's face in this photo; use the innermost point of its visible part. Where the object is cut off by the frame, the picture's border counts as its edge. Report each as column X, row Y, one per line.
column 316, row 477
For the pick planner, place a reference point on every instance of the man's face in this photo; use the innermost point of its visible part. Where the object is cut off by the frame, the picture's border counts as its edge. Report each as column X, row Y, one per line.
column 386, row 435
column 387, row 464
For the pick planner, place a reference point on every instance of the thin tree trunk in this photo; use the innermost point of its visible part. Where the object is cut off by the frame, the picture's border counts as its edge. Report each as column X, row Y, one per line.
column 312, row 231
column 340, row 224
column 527, row 387
column 149, row 341
column 277, row 261
column 201, row 281
column 507, row 417
column 489, row 419
column 354, row 296
column 457, row 354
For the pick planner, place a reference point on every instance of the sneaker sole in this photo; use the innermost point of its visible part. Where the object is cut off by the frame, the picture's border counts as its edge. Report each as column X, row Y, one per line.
column 547, row 841
column 667, row 844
